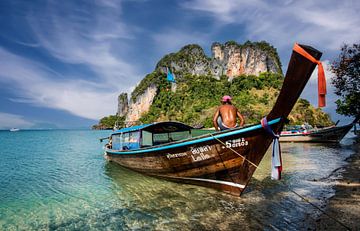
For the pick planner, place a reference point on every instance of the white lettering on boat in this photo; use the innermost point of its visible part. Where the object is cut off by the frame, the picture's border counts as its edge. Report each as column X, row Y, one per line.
column 201, row 149
column 200, row 157
column 176, row 155
column 240, row 142
column 199, row 153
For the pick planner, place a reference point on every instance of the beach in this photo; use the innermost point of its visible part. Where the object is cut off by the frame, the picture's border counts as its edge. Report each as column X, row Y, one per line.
column 345, row 204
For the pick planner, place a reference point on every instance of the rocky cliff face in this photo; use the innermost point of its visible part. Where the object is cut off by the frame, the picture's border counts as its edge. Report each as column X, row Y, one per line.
column 233, row 60
column 123, row 105
column 140, row 105
column 229, row 59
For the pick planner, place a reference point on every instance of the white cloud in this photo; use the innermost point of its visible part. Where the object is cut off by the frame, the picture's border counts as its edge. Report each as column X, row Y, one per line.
column 95, row 38
column 325, row 23
column 13, row 121
column 34, row 84
column 172, row 40
column 227, row 11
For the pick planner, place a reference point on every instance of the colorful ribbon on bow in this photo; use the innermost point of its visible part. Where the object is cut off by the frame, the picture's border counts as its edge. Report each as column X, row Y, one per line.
column 276, row 162
column 321, row 74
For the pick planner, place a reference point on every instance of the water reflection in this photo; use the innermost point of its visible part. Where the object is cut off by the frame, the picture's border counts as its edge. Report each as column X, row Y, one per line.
column 72, row 187
column 158, row 204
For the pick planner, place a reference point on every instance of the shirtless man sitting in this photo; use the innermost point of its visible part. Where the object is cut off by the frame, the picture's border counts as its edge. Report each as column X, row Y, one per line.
column 226, row 115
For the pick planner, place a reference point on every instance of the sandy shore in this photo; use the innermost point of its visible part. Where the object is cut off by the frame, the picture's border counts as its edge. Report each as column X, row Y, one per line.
column 345, row 204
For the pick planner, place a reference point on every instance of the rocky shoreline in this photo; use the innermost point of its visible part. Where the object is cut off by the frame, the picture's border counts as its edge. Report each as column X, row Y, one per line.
column 345, row 204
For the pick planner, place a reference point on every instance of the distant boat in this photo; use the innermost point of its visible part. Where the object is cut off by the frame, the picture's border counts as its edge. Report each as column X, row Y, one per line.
column 14, row 129
column 224, row 160
column 332, row 134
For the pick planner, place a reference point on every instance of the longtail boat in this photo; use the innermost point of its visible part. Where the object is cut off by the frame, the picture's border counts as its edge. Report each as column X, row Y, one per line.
column 333, row 134
column 224, row 160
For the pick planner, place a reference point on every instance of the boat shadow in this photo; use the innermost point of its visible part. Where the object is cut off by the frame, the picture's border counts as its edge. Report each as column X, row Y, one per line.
column 176, row 203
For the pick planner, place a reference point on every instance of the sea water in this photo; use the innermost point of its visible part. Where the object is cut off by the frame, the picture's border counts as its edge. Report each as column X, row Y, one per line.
column 59, row 180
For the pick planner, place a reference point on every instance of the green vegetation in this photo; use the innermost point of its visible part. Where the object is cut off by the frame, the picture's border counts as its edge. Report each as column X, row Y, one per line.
column 123, row 97
column 191, row 55
column 347, row 81
column 304, row 112
column 153, row 78
column 108, row 122
column 188, row 55
column 197, row 98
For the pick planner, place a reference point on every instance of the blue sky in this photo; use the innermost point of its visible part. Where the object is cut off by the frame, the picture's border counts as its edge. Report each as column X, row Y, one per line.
column 63, row 63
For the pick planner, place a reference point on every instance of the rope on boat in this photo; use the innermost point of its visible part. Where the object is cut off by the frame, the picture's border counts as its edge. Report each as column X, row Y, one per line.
column 297, row 194
column 317, row 207
column 226, row 168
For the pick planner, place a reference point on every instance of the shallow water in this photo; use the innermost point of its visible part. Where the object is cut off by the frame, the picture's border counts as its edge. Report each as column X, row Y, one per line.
column 59, row 180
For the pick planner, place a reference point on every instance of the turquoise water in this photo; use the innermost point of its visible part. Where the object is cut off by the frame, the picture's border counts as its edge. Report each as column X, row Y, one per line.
column 59, row 180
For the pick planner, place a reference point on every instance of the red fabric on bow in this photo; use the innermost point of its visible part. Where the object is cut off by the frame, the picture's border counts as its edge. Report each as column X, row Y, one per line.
column 321, row 74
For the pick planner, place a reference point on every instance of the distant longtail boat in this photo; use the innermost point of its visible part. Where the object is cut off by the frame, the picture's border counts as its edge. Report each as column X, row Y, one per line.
column 332, row 134
column 224, row 160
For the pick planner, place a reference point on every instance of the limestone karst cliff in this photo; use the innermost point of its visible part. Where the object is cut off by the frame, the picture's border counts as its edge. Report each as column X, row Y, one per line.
column 234, row 60
column 123, row 105
column 141, row 104
column 230, row 59
column 250, row 72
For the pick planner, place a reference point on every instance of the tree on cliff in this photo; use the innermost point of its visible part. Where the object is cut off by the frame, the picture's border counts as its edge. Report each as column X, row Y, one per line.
column 347, row 81
column 109, row 122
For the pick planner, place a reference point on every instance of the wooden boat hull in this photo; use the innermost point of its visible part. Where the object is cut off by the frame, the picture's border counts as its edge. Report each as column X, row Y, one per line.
column 212, row 160
column 223, row 160
column 325, row 135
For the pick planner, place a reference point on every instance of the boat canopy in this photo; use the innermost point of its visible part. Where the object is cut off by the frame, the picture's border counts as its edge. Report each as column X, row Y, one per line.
column 161, row 127
column 149, row 135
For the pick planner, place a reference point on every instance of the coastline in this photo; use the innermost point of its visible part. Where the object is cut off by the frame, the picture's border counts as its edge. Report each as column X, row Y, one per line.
column 345, row 204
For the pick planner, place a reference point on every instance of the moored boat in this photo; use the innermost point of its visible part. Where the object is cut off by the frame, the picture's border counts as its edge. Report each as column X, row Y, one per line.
column 332, row 134
column 14, row 129
column 224, row 160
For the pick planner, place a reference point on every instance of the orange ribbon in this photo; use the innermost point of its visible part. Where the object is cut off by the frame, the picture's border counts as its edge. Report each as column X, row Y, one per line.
column 321, row 74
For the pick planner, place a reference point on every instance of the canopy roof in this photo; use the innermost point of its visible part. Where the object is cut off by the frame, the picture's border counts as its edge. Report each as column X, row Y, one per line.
column 161, row 127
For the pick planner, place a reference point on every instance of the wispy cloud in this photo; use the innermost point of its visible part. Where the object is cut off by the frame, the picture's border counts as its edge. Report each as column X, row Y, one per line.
column 34, row 84
column 228, row 11
column 171, row 40
column 93, row 36
column 79, row 55
column 8, row 120
column 329, row 23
